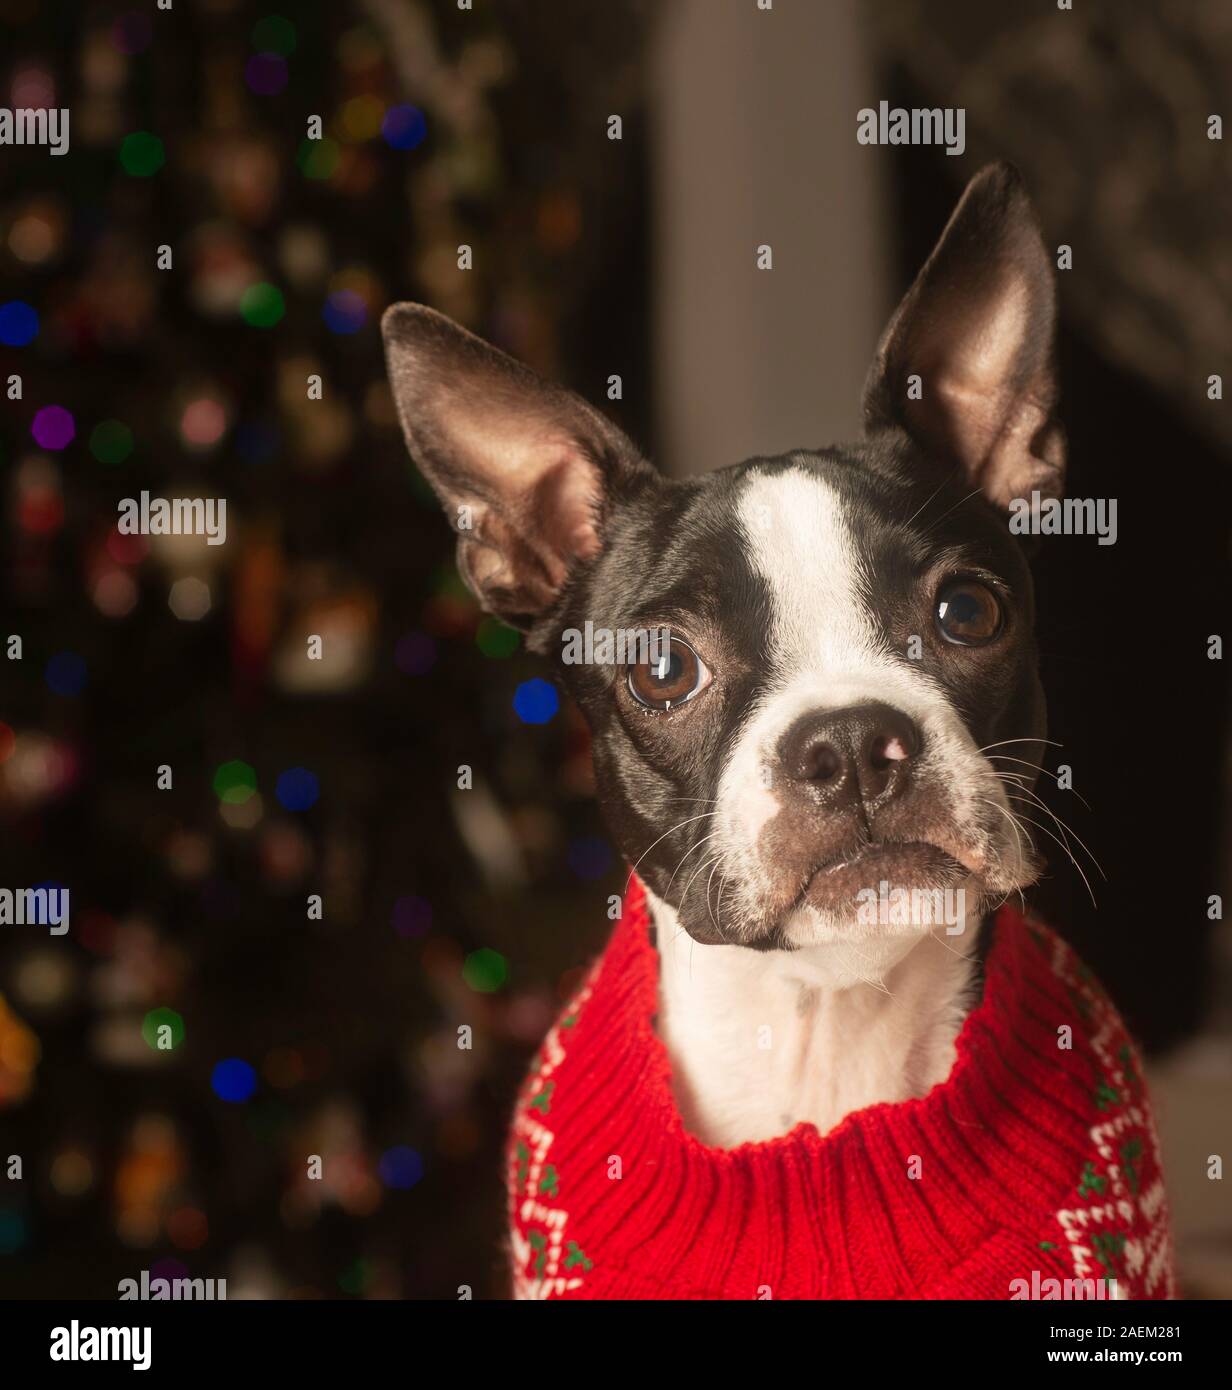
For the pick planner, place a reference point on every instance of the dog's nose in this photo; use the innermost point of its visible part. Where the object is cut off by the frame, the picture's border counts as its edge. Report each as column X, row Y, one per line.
column 859, row 754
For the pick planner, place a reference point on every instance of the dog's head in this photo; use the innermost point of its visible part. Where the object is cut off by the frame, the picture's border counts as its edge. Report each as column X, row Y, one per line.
column 850, row 696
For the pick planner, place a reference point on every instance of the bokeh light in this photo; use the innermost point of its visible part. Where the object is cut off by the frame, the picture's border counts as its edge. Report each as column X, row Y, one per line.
column 496, row 640
column 400, row 1167
column 12, row 1231
column 235, row 782
column 244, row 815
column 188, row 1228
column 111, row 441
column 415, row 654
column 345, row 312
column 274, row 34
column 412, row 916
column 297, row 789
column 66, row 673
column 485, row 970
column 266, row 74
column 233, row 1080
column 189, row 598
column 536, row 701
column 53, row 428
column 362, row 117
column 127, row 550
column 156, row 1021
column 404, row 127
column 589, row 857
column 141, row 154
column 36, row 235
column 72, row 1173
column 203, row 423
column 131, row 33
column 262, row 305
column 115, row 594
column 318, row 159
column 19, row 323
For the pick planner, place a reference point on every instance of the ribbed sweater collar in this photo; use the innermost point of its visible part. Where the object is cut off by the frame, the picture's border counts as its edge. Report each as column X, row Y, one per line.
column 895, row 1201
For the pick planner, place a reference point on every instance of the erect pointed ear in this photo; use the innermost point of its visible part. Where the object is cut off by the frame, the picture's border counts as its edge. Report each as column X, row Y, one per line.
column 524, row 469
column 978, row 330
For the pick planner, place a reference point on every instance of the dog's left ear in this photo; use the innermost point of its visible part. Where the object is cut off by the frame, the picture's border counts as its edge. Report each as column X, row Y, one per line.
column 967, row 364
column 526, row 470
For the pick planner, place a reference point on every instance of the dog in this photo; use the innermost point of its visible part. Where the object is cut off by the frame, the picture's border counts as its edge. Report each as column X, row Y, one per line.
column 844, row 711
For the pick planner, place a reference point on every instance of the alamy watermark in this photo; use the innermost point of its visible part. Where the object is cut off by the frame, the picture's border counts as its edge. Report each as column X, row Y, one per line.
column 897, row 125
column 35, row 907
column 78, row 1343
column 620, row 646
column 35, row 126
column 161, row 1290
column 174, row 516
column 884, row 906
column 1069, row 516
column 1048, row 1289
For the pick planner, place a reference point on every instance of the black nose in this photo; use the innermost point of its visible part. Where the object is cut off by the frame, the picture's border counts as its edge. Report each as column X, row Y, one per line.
column 844, row 757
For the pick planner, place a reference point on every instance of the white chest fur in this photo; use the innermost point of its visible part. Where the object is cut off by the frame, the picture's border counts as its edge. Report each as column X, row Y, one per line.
column 761, row 1041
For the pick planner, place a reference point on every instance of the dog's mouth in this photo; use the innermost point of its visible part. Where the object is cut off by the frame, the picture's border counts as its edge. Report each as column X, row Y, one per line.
column 840, row 884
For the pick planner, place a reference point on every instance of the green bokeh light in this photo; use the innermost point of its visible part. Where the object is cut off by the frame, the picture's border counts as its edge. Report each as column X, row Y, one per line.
column 262, row 305
column 356, row 1277
column 274, row 34
column 235, row 782
column 162, row 1018
column 485, row 970
column 111, row 441
column 317, row 159
column 496, row 640
column 142, row 154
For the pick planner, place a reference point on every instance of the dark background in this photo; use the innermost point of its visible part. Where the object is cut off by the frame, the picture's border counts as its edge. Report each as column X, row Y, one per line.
column 436, row 914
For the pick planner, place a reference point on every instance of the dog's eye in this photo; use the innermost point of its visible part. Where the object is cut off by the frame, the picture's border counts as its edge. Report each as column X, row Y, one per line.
column 968, row 613
column 676, row 676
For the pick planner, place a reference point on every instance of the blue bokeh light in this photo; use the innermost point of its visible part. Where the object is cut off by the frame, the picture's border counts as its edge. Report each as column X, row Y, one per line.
column 233, row 1080
column 536, row 701
column 66, row 673
column 19, row 323
column 297, row 789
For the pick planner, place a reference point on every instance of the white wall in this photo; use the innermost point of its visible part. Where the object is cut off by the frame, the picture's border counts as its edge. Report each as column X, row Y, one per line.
column 755, row 143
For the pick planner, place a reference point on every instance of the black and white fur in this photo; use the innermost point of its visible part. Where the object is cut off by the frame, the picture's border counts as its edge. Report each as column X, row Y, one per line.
column 823, row 754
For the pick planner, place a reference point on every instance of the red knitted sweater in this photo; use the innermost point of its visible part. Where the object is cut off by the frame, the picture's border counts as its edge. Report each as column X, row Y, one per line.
column 1034, row 1161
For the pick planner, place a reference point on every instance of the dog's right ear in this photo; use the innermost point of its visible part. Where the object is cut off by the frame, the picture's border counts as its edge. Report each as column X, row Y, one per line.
column 525, row 469
column 967, row 365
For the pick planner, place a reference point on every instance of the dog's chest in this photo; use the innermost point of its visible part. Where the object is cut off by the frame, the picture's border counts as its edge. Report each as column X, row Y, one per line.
column 761, row 1042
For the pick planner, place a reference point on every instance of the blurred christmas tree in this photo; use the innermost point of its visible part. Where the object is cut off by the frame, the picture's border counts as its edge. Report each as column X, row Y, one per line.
column 191, row 300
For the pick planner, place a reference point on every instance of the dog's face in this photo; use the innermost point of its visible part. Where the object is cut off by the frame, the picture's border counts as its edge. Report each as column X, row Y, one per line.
column 851, row 676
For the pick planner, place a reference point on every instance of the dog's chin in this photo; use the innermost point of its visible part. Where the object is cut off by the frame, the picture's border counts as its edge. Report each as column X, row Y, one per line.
column 883, row 890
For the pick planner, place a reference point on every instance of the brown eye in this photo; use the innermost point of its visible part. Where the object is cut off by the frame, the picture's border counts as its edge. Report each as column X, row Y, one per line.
column 676, row 676
column 968, row 614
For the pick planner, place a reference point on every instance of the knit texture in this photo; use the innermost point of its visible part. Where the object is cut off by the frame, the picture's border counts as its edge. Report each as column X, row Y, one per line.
column 1031, row 1159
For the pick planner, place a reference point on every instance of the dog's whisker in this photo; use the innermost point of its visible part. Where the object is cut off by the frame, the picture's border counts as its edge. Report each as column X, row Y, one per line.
column 1063, row 827
column 718, row 859
column 1067, row 850
column 1009, row 815
column 663, row 837
column 1005, row 742
column 1007, row 758
column 1025, row 791
column 699, row 869
column 685, row 855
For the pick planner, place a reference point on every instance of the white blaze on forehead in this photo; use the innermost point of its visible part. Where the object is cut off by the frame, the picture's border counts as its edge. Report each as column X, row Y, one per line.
column 803, row 547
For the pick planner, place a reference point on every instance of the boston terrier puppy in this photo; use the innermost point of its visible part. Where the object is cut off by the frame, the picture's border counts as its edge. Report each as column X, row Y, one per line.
column 822, row 778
